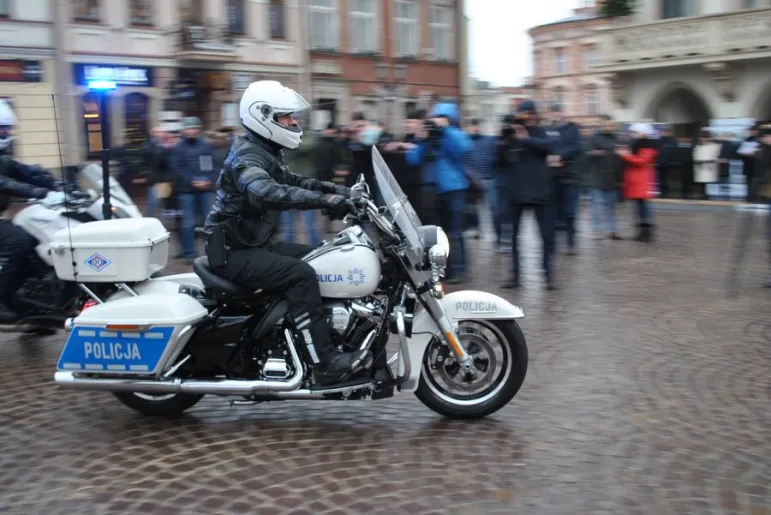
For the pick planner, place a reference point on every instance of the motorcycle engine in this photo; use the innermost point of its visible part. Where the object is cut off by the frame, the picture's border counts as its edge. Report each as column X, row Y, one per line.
column 352, row 321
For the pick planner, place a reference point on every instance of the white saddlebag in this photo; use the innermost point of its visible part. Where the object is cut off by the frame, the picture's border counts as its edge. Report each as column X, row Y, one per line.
column 137, row 335
column 111, row 251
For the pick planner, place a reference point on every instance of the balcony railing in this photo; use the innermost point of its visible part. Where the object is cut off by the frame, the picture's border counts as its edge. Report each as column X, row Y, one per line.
column 205, row 41
column 722, row 37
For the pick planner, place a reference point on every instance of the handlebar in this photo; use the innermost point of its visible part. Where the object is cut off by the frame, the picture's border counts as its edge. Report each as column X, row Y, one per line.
column 363, row 208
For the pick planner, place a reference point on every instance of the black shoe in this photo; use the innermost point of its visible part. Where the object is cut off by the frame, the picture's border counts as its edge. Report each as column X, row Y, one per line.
column 767, row 284
column 512, row 285
column 342, row 366
column 616, row 237
column 550, row 285
column 458, row 279
column 7, row 315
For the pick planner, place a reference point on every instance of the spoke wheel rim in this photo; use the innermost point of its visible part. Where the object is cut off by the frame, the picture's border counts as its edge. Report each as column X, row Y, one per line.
column 492, row 357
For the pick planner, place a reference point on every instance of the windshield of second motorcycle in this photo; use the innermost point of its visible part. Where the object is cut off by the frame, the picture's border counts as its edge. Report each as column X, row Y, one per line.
column 90, row 178
column 398, row 206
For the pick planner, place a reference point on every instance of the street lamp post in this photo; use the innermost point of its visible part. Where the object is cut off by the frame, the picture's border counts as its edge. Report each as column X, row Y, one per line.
column 101, row 87
column 391, row 85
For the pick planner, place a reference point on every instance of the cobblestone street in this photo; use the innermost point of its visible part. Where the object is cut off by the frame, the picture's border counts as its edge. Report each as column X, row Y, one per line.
column 648, row 392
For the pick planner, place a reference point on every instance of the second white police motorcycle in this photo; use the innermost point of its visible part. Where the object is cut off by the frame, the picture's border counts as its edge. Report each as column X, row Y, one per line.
column 160, row 345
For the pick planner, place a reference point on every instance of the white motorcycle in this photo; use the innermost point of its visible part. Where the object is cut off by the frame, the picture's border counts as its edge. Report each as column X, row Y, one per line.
column 44, row 300
column 161, row 344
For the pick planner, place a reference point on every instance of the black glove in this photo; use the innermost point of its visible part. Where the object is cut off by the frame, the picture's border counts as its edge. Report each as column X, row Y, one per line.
column 343, row 190
column 38, row 193
column 335, row 206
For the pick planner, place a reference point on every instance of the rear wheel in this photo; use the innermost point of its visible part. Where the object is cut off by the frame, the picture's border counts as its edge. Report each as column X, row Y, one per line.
column 158, row 405
column 499, row 353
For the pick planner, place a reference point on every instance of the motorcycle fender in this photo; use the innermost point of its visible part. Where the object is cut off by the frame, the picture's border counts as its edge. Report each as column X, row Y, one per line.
column 459, row 305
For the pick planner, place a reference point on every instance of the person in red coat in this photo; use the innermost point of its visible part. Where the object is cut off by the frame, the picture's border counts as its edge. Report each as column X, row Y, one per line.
column 639, row 176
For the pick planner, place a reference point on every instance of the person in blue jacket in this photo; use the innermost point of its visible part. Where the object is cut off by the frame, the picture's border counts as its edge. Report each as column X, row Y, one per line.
column 441, row 151
column 523, row 149
column 567, row 151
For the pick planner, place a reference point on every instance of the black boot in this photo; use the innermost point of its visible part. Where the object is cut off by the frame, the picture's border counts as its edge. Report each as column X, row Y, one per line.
column 7, row 315
column 640, row 232
column 333, row 366
column 647, row 233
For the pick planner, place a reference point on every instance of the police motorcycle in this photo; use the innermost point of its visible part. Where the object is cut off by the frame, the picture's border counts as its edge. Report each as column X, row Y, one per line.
column 45, row 301
column 161, row 345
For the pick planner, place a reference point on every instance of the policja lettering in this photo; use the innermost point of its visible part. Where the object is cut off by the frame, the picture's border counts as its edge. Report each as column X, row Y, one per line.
column 476, row 307
column 329, row 278
column 112, row 351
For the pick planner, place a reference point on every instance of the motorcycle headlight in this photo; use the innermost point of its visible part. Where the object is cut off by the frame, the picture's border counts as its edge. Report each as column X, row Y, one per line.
column 442, row 241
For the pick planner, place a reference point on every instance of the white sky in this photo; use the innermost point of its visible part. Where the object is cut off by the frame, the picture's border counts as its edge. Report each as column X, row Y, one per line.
column 499, row 46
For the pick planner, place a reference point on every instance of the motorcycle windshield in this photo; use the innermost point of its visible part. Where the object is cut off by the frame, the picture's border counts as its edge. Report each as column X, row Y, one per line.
column 90, row 178
column 398, row 206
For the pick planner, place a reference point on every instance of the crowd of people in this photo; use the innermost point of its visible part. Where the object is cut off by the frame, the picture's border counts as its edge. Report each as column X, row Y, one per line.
column 539, row 162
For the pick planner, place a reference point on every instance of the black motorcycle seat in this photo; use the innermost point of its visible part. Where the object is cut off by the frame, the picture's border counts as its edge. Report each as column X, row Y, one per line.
column 217, row 283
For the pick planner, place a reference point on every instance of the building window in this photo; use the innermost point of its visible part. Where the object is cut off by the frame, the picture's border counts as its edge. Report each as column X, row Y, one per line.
column 751, row 4
column 5, row 8
column 590, row 58
column 677, row 8
column 137, row 112
column 323, row 24
column 559, row 62
column 442, row 33
column 592, row 103
column 363, row 26
column 406, row 21
column 85, row 10
column 141, row 13
column 191, row 12
column 277, row 19
column 236, row 17
column 558, row 98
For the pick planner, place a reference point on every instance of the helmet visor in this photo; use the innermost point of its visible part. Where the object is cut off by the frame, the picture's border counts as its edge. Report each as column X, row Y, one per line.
column 290, row 102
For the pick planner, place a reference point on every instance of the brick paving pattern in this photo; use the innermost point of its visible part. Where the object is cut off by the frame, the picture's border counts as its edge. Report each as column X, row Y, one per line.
column 648, row 392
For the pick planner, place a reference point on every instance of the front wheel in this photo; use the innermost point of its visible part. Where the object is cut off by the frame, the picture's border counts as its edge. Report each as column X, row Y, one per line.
column 158, row 405
column 499, row 351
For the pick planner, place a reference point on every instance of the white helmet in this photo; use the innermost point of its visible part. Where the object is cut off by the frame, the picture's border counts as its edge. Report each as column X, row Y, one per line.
column 7, row 117
column 264, row 101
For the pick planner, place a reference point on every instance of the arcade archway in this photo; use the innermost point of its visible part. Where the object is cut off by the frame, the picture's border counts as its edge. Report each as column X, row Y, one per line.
column 682, row 108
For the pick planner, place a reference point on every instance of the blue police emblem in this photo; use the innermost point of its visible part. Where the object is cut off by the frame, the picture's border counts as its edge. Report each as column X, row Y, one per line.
column 356, row 277
column 98, row 262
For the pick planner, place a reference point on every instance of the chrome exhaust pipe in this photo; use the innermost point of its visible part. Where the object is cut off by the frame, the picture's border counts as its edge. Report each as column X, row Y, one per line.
column 194, row 386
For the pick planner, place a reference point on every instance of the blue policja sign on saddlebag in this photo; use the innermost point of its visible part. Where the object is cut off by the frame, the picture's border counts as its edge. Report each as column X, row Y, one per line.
column 96, row 349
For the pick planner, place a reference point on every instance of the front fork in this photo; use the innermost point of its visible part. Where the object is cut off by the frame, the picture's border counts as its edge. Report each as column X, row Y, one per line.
column 449, row 335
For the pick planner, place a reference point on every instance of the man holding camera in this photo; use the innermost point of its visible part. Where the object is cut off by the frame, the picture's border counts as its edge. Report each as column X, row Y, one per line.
column 567, row 150
column 440, row 150
column 523, row 148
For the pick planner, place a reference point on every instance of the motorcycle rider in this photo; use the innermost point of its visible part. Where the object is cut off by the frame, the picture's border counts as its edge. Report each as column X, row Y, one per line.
column 16, row 180
column 254, row 187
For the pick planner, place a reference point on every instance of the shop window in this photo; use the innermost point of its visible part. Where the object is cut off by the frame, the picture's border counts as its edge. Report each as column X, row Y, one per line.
column 141, row 13
column 277, row 24
column 92, row 123
column 137, row 107
column 236, row 17
column 86, row 10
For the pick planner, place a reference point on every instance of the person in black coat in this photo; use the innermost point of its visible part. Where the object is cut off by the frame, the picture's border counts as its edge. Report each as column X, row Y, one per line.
column 668, row 163
column 521, row 154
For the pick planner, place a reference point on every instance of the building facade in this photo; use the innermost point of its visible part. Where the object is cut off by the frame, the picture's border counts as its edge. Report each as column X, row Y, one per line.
column 383, row 57
column 489, row 104
column 27, row 75
column 565, row 58
column 686, row 62
column 170, row 59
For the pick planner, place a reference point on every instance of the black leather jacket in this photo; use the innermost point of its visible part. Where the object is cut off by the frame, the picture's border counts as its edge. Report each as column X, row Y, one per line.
column 20, row 180
column 255, row 185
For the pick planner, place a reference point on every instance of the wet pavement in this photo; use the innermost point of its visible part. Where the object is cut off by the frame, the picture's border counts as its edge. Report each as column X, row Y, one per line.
column 648, row 392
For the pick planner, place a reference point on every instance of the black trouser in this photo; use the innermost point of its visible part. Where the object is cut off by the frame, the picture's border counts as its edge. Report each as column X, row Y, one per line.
column 665, row 176
column 545, row 215
column 16, row 247
column 277, row 268
column 686, row 180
